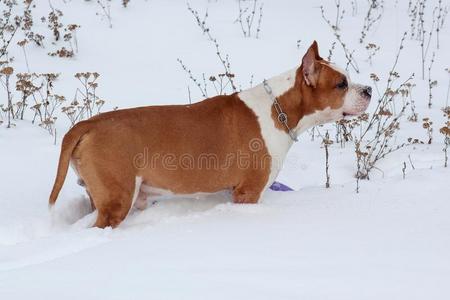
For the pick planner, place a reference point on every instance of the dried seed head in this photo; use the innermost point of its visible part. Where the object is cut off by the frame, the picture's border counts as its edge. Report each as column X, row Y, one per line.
column 7, row 71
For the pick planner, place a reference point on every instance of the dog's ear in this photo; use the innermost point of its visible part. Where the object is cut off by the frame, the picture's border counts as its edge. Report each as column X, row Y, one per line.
column 310, row 65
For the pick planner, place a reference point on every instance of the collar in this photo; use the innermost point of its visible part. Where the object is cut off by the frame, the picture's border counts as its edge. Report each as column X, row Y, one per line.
column 282, row 116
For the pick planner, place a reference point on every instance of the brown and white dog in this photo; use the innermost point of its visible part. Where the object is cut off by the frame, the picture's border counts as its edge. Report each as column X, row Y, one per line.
column 234, row 142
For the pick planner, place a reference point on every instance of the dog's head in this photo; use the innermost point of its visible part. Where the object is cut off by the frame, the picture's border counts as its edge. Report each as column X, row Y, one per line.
column 327, row 92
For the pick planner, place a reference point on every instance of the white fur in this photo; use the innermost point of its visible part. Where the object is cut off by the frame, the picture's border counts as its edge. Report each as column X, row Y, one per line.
column 147, row 189
column 354, row 103
column 154, row 191
column 137, row 187
column 317, row 118
column 277, row 141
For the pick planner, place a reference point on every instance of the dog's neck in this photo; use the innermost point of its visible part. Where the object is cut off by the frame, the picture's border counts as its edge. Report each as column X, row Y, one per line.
column 276, row 138
column 286, row 88
column 290, row 101
column 290, row 89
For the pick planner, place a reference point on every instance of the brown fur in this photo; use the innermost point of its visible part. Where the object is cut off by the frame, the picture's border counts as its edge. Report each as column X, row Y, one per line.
column 110, row 150
column 104, row 150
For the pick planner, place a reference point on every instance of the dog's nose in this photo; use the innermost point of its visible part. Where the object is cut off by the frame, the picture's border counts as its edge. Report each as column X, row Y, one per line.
column 367, row 92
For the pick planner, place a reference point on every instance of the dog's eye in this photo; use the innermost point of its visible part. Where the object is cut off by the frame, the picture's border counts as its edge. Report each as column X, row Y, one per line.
column 342, row 85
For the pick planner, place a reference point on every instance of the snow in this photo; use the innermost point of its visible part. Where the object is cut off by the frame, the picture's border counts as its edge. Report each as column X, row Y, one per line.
column 389, row 241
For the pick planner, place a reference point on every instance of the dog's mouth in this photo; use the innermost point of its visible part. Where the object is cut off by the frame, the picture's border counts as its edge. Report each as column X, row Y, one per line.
column 357, row 109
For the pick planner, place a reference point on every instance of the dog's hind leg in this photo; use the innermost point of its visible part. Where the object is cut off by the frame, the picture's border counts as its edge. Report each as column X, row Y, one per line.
column 112, row 193
column 112, row 207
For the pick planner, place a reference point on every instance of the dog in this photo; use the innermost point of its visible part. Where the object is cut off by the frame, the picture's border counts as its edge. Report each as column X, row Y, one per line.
column 236, row 142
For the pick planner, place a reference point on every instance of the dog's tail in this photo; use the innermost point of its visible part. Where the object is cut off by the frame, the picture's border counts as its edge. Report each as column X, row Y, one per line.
column 70, row 141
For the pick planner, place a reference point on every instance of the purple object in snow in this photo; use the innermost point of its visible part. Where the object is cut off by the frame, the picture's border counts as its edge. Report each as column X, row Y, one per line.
column 279, row 187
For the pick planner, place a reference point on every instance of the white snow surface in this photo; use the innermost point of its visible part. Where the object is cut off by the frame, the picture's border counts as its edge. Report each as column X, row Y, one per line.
column 389, row 241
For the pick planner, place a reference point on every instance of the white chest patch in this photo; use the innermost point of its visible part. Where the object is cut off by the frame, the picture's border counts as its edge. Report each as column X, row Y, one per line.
column 277, row 141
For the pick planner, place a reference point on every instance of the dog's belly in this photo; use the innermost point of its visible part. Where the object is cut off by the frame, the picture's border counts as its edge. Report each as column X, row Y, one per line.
column 154, row 191
column 161, row 181
column 150, row 191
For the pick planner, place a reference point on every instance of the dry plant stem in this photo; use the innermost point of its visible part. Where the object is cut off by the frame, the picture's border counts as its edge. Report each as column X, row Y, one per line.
column 86, row 103
column 226, row 65
column 370, row 20
column 6, row 42
column 313, row 133
column 242, row 11
column 224, row 60
column 383, row 123
column 331, row 51
column 441, row 14
column 439, row 18
column 390, row 81
column 372, row 50
column 51, row 103
column 338, row 10
column 447, row 142
column 70, row 36
column 258, row 28
column 200, row 22
column 412, row 12
column 53, row 21
column 411, row 163
column 10, row 106
column 48, row 102
column 431, row 83
column 16, row 26
column 358, row 165
column 25, row 85
column 219, row 84
column 424, row 41
column 326, row 142
column 26, row 59
column 348, row 54
column 427, row 125
column 75, row 40
column 106, row 8
column 22, row 45
column 202, row 89
column 354, row 4
column 414, row 115
column 189, row 95
column 246, row 18
column 251, row 18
